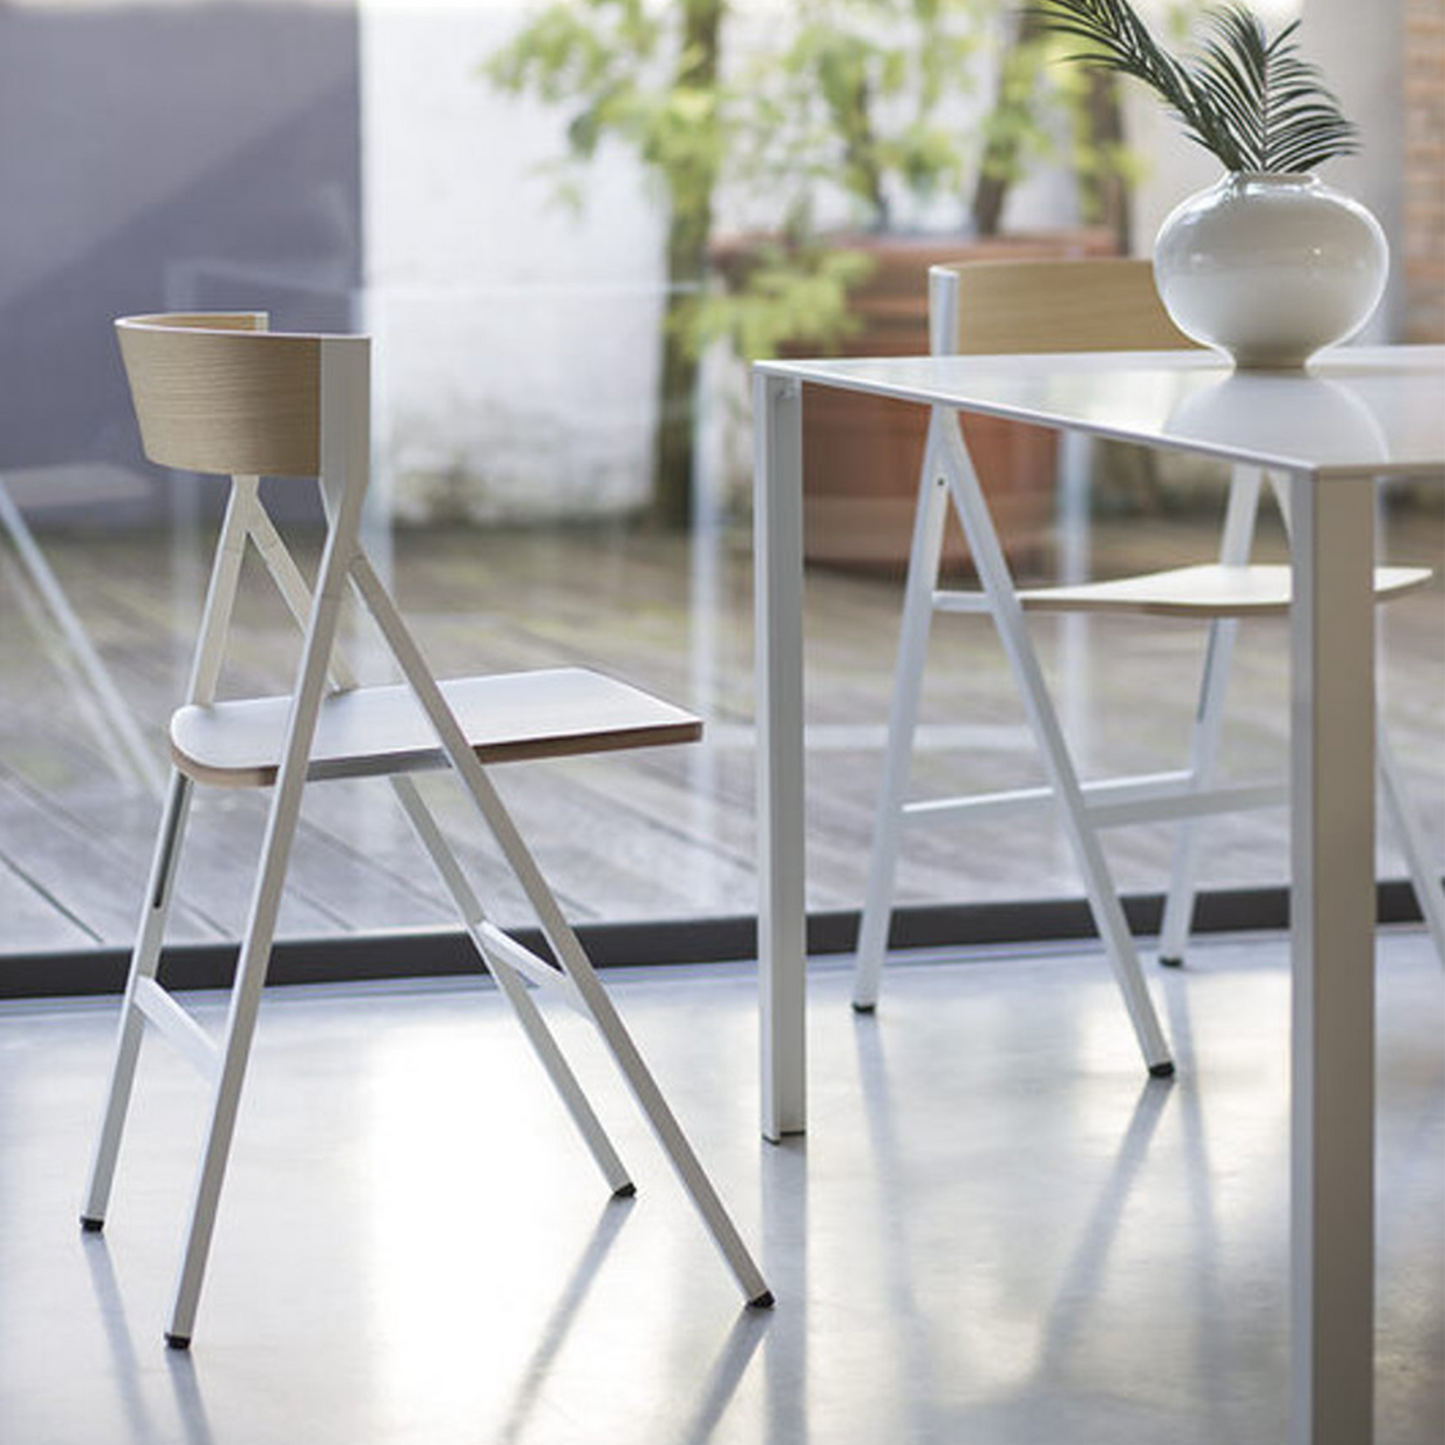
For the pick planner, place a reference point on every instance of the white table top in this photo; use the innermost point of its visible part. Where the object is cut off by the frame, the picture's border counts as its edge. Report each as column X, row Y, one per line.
column 1379, row 410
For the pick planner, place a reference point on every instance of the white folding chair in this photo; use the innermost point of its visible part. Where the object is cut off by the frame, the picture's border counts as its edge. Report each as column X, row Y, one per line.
column 220, row 394
column 1094, row 305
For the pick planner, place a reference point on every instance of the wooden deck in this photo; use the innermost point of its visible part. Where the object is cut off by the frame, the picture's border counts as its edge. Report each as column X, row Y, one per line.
column 657, row 835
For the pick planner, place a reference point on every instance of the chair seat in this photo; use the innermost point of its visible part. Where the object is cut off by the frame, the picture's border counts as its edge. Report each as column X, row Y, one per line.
column 1209, row 590
column 363, row 732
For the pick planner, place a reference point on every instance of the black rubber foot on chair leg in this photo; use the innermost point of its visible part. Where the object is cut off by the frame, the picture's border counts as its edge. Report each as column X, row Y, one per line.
column 178, row 1342
column 1165, row 962
column 764, row 1301
column 1162, row 1071
column 625, row 1191
column 91, row 1226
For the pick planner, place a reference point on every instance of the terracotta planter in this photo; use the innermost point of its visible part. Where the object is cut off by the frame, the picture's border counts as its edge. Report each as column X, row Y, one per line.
column 862, row 456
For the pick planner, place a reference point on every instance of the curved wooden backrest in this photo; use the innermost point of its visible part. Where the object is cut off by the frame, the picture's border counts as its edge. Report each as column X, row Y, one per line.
column 1103, row 304
column 219, row 393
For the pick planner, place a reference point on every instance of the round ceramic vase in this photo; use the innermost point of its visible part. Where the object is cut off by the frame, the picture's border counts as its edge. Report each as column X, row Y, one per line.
column 1270, row 268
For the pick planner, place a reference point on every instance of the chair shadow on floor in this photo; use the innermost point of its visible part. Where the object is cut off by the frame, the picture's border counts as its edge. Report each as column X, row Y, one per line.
column 1080, row 1287
column 719, row 1385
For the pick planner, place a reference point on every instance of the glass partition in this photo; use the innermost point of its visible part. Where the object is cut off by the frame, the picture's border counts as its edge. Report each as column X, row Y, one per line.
column 348, row 165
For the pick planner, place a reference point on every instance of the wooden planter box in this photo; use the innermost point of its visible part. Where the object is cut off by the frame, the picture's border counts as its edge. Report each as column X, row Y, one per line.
column 862, row 454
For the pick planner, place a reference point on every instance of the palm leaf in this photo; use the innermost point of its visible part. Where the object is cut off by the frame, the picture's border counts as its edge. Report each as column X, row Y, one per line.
column 1276, row 103
column 1251, row 101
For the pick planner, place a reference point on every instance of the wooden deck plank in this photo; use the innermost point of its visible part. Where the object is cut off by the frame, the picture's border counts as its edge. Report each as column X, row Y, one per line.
column 589, row 847
column 323, row 895
column 30, row 921
column 86, row 859
column 672, row 832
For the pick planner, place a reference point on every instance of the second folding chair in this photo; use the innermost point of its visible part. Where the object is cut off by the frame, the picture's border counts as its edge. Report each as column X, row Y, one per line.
column 997, row 307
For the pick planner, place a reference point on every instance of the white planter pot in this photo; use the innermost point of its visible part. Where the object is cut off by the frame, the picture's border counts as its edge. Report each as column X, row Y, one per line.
column 1270, row 268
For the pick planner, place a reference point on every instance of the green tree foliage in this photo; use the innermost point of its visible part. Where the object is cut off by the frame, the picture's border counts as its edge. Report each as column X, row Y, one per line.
column 845, row 109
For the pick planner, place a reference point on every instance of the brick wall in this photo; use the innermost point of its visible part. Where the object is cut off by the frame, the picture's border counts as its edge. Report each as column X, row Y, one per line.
column 1425, row 170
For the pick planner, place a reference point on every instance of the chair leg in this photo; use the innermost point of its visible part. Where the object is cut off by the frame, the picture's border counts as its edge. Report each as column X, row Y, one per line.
column 1241, row 514
column 1203, row 758
column 255, row 958
column 225, row 1104
column 902, row 720
column 664, row 1124
column 144, row 961
column 600, row 1010
column 1113, row 926
column 1058, row 766
column 560, row 936
column 294, row 589
column 560, row 1073
column 513, row 989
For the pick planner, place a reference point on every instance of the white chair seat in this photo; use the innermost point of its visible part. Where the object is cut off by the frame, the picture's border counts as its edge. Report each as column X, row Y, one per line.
column 1208, row 590
column 371, row 731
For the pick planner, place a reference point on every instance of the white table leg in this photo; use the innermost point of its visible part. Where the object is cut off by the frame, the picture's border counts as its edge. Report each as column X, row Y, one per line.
column 1333, row 913
column 778, row 664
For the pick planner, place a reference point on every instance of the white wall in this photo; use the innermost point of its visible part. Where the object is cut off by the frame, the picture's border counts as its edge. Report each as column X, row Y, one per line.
column 1360, row 46
column 516, row 340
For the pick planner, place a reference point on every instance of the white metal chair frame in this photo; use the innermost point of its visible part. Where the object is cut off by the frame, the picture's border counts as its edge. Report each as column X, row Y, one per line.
column 1222, row 594
column 114, row 724
column 335, row 371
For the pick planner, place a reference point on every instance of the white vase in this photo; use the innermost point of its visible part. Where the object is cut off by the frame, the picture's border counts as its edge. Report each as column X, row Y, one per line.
column 1270, row 268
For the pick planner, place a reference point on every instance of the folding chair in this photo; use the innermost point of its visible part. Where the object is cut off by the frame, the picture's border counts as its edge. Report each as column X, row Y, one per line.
column 1095, row 305
column 220, row 394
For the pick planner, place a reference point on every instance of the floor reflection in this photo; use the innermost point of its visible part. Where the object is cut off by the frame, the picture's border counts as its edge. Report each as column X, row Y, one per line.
column 559, row 1322
column 128, row 1370
column 1016, row 1362
column 995, row 1231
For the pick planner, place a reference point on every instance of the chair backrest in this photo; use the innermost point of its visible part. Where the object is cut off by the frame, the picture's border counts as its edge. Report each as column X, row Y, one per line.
column 220, row 393
column 1044, row 305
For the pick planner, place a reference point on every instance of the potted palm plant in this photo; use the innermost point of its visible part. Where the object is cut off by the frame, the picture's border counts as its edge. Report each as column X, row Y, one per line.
column 1268, row 264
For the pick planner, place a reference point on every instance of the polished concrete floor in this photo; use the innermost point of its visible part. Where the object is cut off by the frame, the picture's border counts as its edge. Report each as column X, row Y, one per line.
column 997, row 1231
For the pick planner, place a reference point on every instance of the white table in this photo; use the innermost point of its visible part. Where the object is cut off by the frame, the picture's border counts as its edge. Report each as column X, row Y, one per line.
column 1356, row 415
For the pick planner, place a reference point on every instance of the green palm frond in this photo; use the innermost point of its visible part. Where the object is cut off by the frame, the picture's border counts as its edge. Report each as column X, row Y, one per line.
column 1276, row 102
column 1251, row 101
